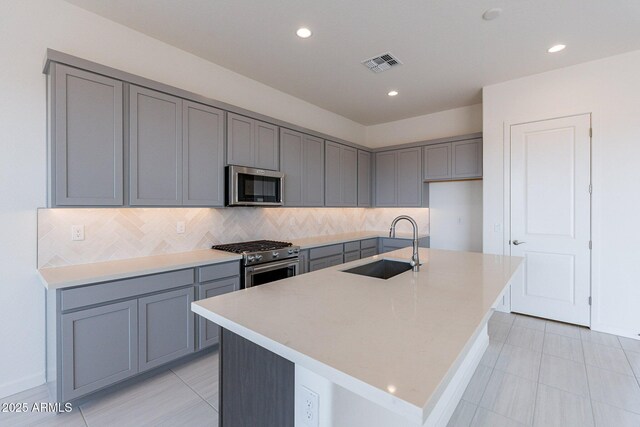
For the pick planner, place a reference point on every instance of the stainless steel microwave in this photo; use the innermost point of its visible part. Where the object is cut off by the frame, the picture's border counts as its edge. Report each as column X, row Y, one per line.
column 254, row 187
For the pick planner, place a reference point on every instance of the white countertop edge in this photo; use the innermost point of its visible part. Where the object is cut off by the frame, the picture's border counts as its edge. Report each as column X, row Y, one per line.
column 127, row 274
column 359, row 387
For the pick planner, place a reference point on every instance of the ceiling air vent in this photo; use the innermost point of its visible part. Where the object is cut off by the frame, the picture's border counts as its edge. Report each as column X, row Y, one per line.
column 381, row 63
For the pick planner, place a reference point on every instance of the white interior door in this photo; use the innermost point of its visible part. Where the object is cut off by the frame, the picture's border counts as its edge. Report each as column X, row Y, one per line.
column 551, row 218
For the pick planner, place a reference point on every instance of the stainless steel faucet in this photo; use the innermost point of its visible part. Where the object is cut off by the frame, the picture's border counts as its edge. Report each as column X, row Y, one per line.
column 415, row 259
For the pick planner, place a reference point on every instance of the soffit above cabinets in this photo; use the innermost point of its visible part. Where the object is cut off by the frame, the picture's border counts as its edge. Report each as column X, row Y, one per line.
column 448, row 51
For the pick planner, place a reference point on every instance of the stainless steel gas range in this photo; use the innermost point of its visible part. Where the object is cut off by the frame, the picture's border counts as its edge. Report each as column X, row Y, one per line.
column 264, row 261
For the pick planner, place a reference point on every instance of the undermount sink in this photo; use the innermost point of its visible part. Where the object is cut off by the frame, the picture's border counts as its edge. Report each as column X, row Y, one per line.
column 383, row 269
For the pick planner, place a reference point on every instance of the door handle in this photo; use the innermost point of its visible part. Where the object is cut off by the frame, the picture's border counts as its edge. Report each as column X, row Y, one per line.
column 515, row 242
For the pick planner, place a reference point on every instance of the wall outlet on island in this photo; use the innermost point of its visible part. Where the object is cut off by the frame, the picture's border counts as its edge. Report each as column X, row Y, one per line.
column 309, row 407
column 180, row 227
column 77, row 232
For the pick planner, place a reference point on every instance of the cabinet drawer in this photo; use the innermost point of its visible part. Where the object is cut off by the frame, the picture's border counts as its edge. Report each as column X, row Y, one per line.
column 351, row 256
column 352, row 246
column 319, row 264
column 368, row 243
column 109, row 291
column 365, row 253
column 325, row 251
column 393, row 244
column 218, row 271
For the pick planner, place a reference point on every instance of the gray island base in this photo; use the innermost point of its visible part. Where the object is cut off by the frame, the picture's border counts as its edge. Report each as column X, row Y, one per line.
column 364, row 351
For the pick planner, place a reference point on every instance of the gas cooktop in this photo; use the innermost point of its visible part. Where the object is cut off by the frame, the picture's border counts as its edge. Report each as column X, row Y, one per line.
column 254, row 246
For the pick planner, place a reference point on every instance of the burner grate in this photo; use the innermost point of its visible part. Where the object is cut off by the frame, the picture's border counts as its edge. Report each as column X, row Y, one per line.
column 254, row 246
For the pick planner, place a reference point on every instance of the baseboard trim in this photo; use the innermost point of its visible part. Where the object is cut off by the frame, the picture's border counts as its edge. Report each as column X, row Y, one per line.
column 22, row 384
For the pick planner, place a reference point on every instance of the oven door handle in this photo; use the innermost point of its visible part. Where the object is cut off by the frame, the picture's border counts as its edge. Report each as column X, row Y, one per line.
column 273, row 266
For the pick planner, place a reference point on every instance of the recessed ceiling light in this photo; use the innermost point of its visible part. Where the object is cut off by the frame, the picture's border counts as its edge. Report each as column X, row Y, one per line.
column 491, row 14
column 556, row 48
column 393, row 93
column 303, row 32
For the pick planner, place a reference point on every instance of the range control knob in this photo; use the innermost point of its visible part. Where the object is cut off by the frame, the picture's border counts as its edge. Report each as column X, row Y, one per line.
column 251, row 258
column 258, row 257
column 290, row 251
column 275, row 254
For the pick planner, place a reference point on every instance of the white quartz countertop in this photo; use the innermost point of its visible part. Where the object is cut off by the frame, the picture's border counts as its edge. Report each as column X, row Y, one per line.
column 332, row 239
column 393, row 341
column 84, row 274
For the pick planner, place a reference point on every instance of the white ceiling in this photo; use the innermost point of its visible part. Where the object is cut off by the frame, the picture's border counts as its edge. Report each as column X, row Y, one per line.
column 449, row 52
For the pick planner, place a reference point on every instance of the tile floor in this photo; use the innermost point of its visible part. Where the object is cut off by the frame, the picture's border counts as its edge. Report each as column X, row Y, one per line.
column 183, row 396
column 543, row 373
column 534, row 373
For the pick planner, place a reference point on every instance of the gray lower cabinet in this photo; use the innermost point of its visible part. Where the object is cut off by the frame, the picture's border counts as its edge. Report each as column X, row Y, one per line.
column 155, row 148
column 85, row 138
column 364, row 178
column 303, row 262
column 392, row 244
column 351, row 256
column 166, row 327
column 251, row 143
column 320, row 263
column 209, row 332
column 453, row 160
column 302, row 162
column 99, row 346
column 399, row 178
column 341, row 175
column 101, row 334
column 202, row 155
column 366, row 253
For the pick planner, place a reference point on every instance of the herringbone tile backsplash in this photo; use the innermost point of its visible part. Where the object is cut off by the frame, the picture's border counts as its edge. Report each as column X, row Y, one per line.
column 112, row 234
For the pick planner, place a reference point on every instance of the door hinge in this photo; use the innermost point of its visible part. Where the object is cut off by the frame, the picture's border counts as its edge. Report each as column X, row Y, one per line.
column 589, row 300
column 590, row 132
column 590, row 245
column 590, row 188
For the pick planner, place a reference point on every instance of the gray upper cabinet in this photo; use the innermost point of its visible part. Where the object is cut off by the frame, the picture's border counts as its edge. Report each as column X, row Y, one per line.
column 399, row 178
column 251, row 143
column 437, row 162
column 453, row 160
column 341, row 166
column 155, row 145
column 467, row 158
column 166, row 327
column 302, row 161
column 86, row 139
column 99, row 347
column 364, row 178
column 386, row 178
column 409, row 185
column 202, row 155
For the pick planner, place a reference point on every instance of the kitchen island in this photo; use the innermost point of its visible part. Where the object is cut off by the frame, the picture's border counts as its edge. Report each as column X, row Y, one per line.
column 352, row 350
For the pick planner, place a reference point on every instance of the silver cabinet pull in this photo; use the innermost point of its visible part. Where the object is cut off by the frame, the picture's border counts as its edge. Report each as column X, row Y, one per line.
column 515, row 242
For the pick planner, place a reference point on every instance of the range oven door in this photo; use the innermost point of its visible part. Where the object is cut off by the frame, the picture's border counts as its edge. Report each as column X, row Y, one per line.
column 265, row 273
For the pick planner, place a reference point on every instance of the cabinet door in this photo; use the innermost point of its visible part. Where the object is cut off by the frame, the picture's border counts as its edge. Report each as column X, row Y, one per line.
column 155, row 144
column 349, row 176
column 240, row 140
column 291, row 166
column 467, row 159
column 266, row 146
column 365, row 253
column 409, row 177
column 333, row 169
column 318, row 264
column 166, row 327
column 313, row 171
column 364, row 178
column 209, row 332
column 202, row 155
column 386, row 178
column 87, row 140
column 99, row 347
column 303, row 257
column 437, row 162
column 351, row 256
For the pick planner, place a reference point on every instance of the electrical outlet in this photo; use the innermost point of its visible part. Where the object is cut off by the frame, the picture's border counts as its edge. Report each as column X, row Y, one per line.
column 180, row 227
column 77, row 232
column 309, row 404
